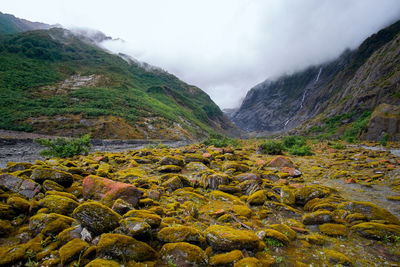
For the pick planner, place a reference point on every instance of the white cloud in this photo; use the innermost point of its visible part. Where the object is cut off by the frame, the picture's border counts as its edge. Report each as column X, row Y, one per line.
column 227, row 46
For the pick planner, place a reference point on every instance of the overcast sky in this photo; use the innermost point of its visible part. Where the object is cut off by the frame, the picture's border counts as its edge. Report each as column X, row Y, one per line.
column 223, row 46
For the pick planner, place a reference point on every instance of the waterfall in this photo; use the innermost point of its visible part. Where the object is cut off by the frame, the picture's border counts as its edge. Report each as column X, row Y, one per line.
column 319, row 73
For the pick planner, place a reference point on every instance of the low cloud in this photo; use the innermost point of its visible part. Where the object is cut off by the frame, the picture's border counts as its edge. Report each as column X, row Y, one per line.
column 224, row 47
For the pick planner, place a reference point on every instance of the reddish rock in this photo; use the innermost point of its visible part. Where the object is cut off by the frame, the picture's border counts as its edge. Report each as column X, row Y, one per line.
column 248, row 176
column 260, row 163
column 280, row 162
column 330, row 150
column 350, row 181
column 207, row 155
column 292, row 171
column 282, row 182
column 99, row 188
column 391, row 166
column 297, row 185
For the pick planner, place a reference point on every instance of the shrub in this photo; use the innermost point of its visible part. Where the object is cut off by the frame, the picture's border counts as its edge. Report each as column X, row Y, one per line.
column 338, row 146
column 218, row 140
column 384, row 140
column 63, row 147
column 272, row 147
column 291, row 141
column 304, row 150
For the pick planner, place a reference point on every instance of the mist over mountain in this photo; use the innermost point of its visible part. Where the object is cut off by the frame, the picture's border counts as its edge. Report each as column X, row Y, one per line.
column 226, row 49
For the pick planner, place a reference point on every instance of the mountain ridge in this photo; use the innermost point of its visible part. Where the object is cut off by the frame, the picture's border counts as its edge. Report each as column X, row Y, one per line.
column 54, row 82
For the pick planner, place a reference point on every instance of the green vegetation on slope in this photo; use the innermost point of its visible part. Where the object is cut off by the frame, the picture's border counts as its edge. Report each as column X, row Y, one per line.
column 31, row 60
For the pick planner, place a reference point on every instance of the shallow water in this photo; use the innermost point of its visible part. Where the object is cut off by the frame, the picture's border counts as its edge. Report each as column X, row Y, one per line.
column 375, row 193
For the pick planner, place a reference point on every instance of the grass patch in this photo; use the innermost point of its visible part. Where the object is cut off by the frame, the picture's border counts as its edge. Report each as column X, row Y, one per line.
column 63, row 147
column 218, row 140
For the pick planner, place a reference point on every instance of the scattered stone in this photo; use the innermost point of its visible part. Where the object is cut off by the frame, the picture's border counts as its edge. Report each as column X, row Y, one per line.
column 318, row 217
column 226, row 259
column 96, row 217
column 24, row 187
column 183, row 254
column 226, row 238
column 72, row 250
column 62, row 178
column 378, row 231
column 333, row 229
column 124, row 248
column 99, row 188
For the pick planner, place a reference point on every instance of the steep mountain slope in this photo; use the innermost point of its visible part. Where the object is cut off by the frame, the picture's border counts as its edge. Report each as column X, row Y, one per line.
column 55, row 82
column 9, row 24
column 342, row 90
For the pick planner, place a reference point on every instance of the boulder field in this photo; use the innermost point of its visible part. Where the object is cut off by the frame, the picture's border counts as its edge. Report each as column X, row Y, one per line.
column 200, row 206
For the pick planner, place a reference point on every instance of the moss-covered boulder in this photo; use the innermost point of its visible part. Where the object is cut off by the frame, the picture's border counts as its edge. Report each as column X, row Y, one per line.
column 172, row 160
column 72, row 250
column 49, row 185
column 214, row 180
column 238, row 167
column 124, row 248
column 133, row 226
column 226, row 259
column 333, row 229
column 172, row 184
column 39, row 175
column 226, row 238
column 149, row 217
column 258, row 198
column 59, row 204
column 317, row 217
column 183, row 254
column 5, row 228
column 107, row 190
column 181, row 234
column 24, row 187
column 370, row 210
column 69, row 234
column 49, row 224
column 337, row 258
column 280, row 162
column 103, row 263
column 308, row 192
column 96, row 217
column 17, row 166
column 273, row 235
column 19, row 204
column 378, row 231
column 284, row 229
column 169, row 169
column 219, row 195
column 249, row 262
column 288, row 195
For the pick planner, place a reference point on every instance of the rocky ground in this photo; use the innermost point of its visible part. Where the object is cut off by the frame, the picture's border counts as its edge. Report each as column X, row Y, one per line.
column 203, row 206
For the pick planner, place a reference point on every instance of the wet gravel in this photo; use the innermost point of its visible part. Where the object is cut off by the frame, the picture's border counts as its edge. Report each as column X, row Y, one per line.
column 26, row 150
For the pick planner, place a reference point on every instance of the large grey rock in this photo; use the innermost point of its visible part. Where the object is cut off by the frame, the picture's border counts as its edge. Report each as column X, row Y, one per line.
column 25, row 187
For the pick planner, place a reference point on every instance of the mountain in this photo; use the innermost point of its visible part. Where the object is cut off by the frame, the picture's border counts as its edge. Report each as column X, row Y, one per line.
column 9, row 24
column 331, row 98
column 59, row 82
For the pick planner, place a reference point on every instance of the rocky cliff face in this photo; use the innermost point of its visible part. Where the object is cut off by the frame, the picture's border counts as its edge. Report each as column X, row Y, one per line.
column 357, row 81
column 282, row 104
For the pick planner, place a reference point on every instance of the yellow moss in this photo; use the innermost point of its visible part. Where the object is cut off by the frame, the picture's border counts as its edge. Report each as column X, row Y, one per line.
column 248, row 262
column 181, row 234
column 317, row 217
column 258, row 198
column 273, row 234
column 226, row 238
column 315, row 239
column 103, row 263
column 72, row 250
column 132, row 173
column 242, row 210
column 284, row 229
column 49, row 224
column 370, row 210
column 151, row 218
column 226, row 258
column 188, row 253
column 335, row 257
column 59, row 204
column 219, row 195
column 124, row 248
column 377, row 230
column 18, row 203
column 333, row 229
column 63, row 194
column 266, row 259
